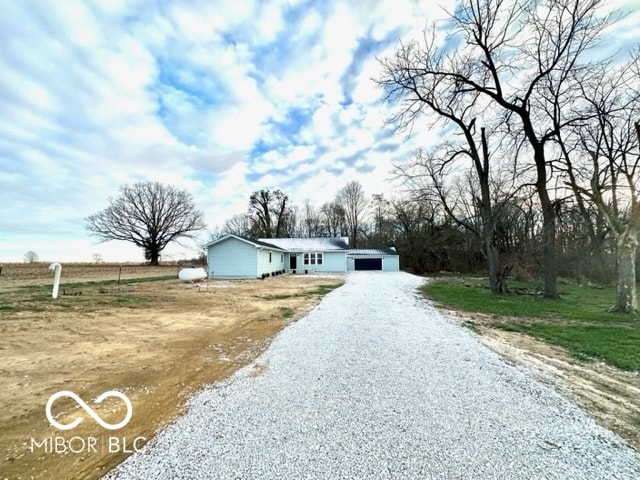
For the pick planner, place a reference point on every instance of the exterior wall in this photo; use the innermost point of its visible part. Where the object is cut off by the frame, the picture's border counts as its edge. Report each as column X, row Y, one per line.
column 263, row 261
column 332, row 262
column 390, row 263
column 232, row 258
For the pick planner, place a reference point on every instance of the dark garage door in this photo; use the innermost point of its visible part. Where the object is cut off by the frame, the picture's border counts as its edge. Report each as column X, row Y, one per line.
column 368, row 263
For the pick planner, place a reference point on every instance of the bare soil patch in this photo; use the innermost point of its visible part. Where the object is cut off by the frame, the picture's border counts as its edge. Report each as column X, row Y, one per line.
column 157, row 342
column 611, row 396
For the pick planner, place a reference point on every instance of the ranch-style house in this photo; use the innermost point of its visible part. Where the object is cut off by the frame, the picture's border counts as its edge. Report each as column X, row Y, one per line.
column 233, row 256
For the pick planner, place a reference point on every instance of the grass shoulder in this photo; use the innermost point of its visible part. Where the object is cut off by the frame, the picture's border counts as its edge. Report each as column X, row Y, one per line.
column 579, row 321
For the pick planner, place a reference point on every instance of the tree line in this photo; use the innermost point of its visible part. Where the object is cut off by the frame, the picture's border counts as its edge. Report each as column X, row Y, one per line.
column 527, row 110
column 270, row 214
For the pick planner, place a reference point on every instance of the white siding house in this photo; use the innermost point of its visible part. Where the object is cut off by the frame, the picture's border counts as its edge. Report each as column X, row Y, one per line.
column 236, row 257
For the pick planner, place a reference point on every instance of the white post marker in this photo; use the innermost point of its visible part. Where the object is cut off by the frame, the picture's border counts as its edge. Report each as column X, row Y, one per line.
column 57, row 268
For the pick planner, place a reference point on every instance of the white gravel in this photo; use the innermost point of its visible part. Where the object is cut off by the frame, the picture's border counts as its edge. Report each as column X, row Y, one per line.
column 376, row 384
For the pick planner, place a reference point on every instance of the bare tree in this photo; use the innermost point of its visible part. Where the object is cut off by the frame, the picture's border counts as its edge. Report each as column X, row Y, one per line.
column 148, row 214
column 441, row 99
column 354, row 203
column 603, row 164
column 31, row 257
column 240, row 225
column 270, row 211
column 471, row 202
column 381, row 211
column 311, row 220
column 333, row 219
column 412, row 218
column 513, row 53
column 292, row 226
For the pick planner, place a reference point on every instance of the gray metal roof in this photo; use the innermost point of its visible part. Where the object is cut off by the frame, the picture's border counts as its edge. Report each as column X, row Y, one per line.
column 372, row 251
column 319, row 244
column 257, row 243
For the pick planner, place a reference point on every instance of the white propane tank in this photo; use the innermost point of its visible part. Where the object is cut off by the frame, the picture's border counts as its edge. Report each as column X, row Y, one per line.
column 191, row 274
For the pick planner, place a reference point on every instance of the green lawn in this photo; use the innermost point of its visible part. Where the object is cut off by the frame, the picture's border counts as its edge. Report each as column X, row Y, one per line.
column 578, row 321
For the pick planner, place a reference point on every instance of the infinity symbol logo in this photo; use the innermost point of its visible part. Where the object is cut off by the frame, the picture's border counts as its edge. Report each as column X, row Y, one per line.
column 94, row 415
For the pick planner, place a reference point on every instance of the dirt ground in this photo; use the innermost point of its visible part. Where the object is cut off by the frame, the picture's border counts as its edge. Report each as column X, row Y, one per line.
column 157, row 342
column 611, row 396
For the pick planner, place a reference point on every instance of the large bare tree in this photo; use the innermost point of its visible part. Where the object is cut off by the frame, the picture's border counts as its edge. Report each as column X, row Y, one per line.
column 270, row 211
column 150, row 215
column 474, row 201
column 441, row 100
column 602, row 159
column 518, row 54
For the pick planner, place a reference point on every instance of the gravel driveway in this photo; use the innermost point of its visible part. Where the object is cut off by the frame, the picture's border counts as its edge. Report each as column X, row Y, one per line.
column 375, row 383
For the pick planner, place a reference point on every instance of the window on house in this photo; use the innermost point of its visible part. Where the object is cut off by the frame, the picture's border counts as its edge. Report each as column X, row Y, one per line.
column 269, row 257
column 282, row 258
column 313, row 259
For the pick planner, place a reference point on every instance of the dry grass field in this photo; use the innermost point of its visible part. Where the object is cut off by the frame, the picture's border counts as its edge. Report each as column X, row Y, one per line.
column 23, row 274
column 151, row 337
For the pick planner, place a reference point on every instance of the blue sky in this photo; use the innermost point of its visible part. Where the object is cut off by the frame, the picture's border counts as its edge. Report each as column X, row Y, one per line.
column 217, row 97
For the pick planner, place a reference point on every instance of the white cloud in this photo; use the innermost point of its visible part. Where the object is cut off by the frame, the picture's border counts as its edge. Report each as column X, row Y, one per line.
column 198, row 94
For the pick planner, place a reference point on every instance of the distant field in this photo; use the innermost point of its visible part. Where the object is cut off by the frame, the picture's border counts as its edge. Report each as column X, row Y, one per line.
column 23, row 274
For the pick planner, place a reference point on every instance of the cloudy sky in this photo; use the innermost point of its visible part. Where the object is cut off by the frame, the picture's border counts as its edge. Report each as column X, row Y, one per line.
column 217, row 97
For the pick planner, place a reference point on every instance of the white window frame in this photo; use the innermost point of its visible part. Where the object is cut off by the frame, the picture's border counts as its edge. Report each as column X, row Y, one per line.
column 313, row 258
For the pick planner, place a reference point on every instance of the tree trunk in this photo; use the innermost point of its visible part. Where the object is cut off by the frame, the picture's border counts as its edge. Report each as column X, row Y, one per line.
column 497, row 277
column 503, row 273
column 549, row 261
column 497, row 281
column 626, row 298
column 154, row 256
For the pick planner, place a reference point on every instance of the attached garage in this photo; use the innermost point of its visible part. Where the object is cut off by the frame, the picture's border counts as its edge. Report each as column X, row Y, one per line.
column 372, row 259
column 367, row 263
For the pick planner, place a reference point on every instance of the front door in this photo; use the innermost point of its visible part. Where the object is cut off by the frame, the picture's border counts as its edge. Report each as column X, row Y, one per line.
column 293, row 261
